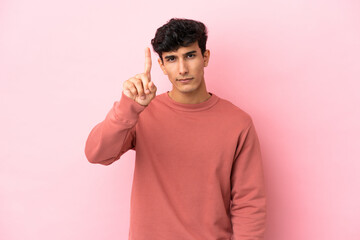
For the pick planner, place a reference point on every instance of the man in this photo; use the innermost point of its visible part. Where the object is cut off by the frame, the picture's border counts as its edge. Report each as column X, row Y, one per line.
column 198, row 169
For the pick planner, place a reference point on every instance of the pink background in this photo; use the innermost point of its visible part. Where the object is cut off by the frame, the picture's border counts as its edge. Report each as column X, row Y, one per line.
column 294, row 66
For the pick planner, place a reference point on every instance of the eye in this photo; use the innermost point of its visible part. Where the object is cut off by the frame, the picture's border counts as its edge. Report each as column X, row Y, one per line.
column 170, row 59
column 191, row 55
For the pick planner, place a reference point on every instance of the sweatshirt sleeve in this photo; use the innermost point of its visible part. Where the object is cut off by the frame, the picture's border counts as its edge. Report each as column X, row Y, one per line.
column 248, row 200
column 115, row 135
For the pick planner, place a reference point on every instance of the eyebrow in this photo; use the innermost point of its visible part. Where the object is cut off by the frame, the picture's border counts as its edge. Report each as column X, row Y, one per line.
column 170, row 56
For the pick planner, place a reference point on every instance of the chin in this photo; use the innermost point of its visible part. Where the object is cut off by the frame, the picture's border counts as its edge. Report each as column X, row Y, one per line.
column 187, row 90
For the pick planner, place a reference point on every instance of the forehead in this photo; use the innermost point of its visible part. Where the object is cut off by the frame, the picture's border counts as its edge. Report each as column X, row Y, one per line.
column 181, row 50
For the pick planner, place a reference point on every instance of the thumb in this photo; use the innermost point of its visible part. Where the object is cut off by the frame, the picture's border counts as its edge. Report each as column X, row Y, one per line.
column 152, row 86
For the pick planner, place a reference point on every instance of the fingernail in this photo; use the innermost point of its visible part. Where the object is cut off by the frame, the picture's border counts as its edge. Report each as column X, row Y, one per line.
column 142, row 97
column 147, row 91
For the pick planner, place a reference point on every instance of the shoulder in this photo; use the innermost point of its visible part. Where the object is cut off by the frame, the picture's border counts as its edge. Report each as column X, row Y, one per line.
column 157, row 102
column 234, row 113
column 156, row 105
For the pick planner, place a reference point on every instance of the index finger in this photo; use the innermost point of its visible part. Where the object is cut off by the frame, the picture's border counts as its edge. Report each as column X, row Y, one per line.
column 147, row 60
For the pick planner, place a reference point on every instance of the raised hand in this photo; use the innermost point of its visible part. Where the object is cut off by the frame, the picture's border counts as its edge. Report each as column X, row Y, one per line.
column 140, row 88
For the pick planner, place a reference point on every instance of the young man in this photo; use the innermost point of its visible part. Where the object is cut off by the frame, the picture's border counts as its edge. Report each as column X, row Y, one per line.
column 198, row 169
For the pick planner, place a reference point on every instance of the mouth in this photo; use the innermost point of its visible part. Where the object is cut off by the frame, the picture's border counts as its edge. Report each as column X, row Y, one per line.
column 185, row 80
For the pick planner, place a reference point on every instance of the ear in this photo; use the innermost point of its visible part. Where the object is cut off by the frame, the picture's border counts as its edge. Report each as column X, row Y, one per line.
column 162, row 66
column 206, row 57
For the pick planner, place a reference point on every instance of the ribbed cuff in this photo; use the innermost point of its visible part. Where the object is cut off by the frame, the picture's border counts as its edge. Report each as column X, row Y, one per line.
column 127, row 108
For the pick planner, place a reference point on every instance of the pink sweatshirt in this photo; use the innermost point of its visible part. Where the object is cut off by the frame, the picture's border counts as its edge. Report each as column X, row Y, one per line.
column 198, row 169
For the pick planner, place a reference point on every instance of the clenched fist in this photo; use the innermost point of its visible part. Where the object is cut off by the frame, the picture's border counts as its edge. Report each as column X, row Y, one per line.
column 140, row 88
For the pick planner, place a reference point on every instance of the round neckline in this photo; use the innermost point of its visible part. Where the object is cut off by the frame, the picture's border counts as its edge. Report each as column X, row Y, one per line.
column 191, row 106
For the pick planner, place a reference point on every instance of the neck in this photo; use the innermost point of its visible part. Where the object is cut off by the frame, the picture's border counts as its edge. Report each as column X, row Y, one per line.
column 190, row 97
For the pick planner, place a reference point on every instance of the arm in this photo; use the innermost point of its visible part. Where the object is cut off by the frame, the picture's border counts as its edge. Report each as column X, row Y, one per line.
column 248, row 207
column 115, row 135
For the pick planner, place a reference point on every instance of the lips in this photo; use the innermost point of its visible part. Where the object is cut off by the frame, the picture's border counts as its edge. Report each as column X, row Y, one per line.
column 185, row 79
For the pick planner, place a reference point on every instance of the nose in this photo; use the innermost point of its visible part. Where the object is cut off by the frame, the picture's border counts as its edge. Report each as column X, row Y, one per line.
column 183, row 69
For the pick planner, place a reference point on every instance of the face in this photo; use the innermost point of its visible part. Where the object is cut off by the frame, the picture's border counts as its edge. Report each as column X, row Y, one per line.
column 185, row 69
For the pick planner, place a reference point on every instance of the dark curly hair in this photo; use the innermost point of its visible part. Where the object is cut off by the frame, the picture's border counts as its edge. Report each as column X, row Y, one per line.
column 179, row 32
